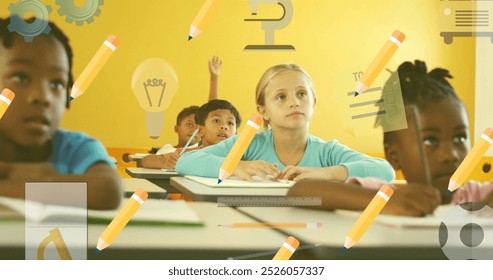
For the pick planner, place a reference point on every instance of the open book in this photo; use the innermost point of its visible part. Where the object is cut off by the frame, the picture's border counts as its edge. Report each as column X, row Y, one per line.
column 443, row 213
column 233, row 182
column 152, row 212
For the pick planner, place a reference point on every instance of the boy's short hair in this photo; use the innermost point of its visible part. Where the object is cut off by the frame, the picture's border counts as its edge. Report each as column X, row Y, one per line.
column 7, row 38
column 418, row 86
column 216, row 104
column 185, row 113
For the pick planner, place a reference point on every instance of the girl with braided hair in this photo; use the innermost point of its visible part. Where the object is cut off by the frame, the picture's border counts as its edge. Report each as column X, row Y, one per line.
column 445, row 136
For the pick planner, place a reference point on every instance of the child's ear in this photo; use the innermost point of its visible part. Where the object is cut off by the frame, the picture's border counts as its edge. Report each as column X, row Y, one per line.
column 261, row 110
column 176, row 128
column 201, row 131
column 392, row 156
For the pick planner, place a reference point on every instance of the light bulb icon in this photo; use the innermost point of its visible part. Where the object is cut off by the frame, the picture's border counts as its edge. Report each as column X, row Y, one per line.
column 154, row 84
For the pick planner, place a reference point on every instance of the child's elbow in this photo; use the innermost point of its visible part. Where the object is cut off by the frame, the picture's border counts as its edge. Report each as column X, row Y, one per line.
column 110, row 194
column 388, row 173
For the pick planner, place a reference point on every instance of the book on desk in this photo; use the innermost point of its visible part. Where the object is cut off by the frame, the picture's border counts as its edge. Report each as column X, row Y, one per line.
column 152, row 212
column 233, row 182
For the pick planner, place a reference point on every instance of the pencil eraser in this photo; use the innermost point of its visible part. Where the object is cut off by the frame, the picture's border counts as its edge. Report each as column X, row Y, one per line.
column 8, row 94
column 141, row 193
column 399, row 35
column 113, row 40
column 257, row 119
column 488, row 131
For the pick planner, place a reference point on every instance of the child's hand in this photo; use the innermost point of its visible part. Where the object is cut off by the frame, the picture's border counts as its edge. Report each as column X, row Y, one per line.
column 246, row 169
column 295, row 173
column 215, row 66
column 413, row 200
column 170, row 160
column 27, row 171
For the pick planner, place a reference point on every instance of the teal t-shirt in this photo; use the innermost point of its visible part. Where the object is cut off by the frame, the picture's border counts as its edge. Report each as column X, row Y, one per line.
column 75, row 152
column 207, row 161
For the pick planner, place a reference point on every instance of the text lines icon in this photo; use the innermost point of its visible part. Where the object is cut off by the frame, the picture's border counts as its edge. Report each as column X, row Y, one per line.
column 465, row 19
column 379, row 108
column 270, row 25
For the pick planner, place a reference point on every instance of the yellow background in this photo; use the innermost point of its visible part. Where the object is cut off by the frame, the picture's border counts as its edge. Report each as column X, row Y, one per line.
column 328, row 36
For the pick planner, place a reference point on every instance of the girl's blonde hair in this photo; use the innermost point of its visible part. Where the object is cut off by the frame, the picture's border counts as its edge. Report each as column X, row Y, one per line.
column 270, row 73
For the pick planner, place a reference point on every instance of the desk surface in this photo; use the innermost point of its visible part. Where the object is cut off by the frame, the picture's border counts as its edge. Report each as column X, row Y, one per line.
column 379, row 241
column 154, row 191
column 213, row 242
column 156, row 176
column 166, row 242
column 149, row 173
column 199, row 192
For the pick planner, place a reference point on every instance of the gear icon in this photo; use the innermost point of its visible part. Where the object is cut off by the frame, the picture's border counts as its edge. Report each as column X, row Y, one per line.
column 29, row 29
column 79, row 14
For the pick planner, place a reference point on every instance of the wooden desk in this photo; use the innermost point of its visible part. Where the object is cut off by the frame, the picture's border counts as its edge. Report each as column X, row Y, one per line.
column 166, row 242
column 200, row 192
column 379, row 241
column 154, row 191
column 155, row 176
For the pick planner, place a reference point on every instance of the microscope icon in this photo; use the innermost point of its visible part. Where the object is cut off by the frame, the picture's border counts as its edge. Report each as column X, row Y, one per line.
column 271, row 24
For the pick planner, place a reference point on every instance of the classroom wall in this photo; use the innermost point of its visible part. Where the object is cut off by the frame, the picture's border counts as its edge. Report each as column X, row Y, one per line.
column 329, row 37
column 484, row 83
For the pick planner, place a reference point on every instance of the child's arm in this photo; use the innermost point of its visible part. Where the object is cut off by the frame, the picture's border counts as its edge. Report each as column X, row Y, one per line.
column 166, row 161
column 214, row 69
column 205, row 162
column 104, row 186
column 489, row 200
column 341, row 163
column 333, row 173
column 412, row 200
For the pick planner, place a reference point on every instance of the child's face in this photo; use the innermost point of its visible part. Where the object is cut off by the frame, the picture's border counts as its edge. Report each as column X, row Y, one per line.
column 38, row 73
column 288, row 102
column 219, row 125
column 445, row 132
column 186, row 128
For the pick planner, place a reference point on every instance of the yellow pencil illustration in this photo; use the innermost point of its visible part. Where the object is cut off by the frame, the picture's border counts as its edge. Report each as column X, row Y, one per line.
column 120, row 221
column 201, row 19
column 368, row 216
column 6, row 98
column 287, row 249
column 382, row 58
column 471, row 161
column 239, row 148
column 273, row 225
column 92, row 69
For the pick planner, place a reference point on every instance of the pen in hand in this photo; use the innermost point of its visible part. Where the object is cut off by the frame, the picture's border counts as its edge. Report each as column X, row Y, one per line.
column 189, row 141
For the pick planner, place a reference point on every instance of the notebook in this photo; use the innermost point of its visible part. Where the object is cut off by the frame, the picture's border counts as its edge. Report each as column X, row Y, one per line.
column 442, row 213
column 233, row 182
column 152, row 212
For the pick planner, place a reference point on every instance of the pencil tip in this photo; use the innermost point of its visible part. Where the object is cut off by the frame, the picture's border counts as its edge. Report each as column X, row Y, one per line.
column 219, row 181
column 449, row 192
column 190, row 37
column 344, row 249
column 97, row 251
column 356, row 93
column 71, row 98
